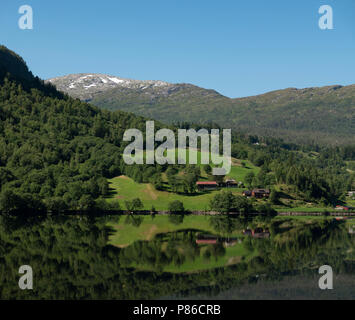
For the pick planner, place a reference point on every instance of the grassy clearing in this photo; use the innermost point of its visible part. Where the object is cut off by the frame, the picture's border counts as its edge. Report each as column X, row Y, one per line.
column 238, row 172
column 124, row 188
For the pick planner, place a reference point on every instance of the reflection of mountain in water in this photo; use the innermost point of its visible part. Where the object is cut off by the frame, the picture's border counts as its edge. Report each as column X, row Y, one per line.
column 71, row 259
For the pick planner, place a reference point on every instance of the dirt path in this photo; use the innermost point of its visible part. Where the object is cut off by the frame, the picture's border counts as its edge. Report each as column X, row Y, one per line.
column 149, row 190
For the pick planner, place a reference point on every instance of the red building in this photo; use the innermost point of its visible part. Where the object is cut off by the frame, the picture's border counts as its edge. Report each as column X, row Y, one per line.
column 206, row 241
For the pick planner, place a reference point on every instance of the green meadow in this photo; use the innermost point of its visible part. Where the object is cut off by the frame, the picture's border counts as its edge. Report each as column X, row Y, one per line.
column 124, row 188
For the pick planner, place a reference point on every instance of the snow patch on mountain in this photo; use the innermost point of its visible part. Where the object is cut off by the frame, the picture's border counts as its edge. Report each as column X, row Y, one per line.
column 116, row 80
column 87, row 85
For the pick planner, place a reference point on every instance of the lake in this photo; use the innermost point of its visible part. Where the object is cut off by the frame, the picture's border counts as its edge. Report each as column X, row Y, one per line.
column 176, row 257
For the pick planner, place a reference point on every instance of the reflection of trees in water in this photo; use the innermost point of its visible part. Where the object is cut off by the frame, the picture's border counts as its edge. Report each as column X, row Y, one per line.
column 134, row 220
column 174, row 249
column 226, row 224
column 71, row 259
column 310, row 245
column 176, row 218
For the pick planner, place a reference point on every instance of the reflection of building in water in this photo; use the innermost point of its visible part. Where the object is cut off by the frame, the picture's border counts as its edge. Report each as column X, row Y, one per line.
column 257, row 233
column 207, row 239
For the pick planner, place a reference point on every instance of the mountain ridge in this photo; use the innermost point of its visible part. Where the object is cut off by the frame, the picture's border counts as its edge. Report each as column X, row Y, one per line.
column 315, row 115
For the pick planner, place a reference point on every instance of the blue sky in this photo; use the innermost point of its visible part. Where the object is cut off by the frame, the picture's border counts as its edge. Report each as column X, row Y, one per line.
column 236, row 47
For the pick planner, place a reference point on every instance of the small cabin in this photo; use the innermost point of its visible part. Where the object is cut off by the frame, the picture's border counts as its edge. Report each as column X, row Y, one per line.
column 260, row 193
column 207, row 185
column 231, row 183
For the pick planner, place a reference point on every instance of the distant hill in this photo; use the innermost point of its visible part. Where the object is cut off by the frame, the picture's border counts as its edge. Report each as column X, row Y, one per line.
column 323, row 115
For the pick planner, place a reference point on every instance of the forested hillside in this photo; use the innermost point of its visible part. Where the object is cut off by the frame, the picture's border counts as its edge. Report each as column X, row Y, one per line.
column 55, row 152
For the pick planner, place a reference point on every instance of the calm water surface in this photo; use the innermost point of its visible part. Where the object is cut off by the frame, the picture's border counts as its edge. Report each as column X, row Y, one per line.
column 75, row 258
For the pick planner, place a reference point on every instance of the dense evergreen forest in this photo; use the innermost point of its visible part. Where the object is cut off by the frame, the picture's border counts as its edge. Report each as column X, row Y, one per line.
column 57, row 152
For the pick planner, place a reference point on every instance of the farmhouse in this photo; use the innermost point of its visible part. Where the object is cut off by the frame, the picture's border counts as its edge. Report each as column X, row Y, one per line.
column 231, row 183
column 260, row 193
column 207, row 185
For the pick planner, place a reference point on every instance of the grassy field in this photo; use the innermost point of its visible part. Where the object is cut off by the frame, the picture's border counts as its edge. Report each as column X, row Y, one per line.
column 238, row 172
column 124, row 188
